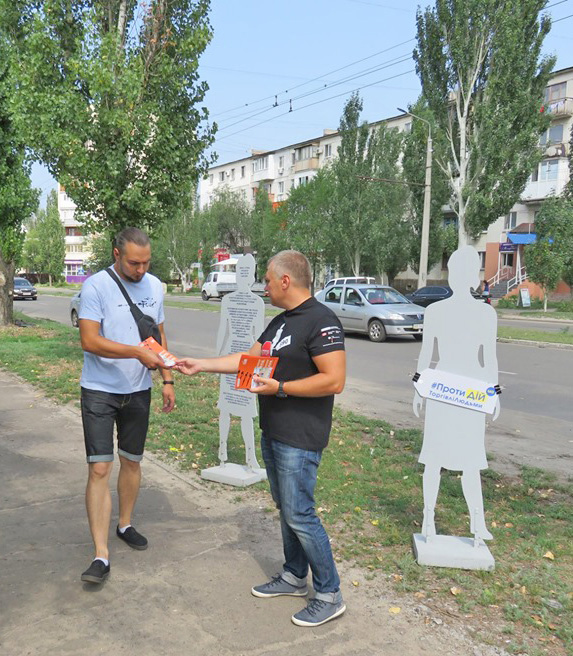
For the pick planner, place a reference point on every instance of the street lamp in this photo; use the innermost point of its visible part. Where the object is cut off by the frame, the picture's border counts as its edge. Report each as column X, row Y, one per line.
column 423, row 268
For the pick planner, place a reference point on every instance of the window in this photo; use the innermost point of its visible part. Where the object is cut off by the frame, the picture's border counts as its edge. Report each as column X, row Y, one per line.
column 211, row 179
column 292, row 184
column 328, row 150
column 408, row 127
column 260, row 164
column 221, row 176
column 510, row 221
column 73, row 232
column 507, row 260
column 281, row 187
column 548, row 169
column 281, row 162
column 74, row 269
column 555, row 92
column 74, row 248
column 352, row 297
column 554, row 135
column 450, row 220
column 333, row 295
column 242, row 171
column 232, row 174
column 304, row 153
column 303, row 179
column 481, row 260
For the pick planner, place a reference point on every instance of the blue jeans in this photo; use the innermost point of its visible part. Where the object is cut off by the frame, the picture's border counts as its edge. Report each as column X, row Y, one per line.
column 292, row 478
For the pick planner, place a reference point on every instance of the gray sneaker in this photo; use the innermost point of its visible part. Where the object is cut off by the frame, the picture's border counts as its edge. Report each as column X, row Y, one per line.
column 318, row 612
column 278, row 587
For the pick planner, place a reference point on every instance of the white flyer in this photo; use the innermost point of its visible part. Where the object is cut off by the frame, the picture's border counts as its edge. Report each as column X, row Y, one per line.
column 457, row 390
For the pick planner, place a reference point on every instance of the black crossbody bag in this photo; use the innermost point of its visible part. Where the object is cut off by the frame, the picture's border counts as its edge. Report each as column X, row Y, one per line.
column 145, row 324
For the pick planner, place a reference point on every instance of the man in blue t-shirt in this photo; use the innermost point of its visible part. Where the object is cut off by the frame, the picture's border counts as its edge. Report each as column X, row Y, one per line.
column 295, row 419
column 116, row 388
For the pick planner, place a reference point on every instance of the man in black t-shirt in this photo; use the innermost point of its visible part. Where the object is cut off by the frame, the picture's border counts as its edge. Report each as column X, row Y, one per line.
column 295, row 419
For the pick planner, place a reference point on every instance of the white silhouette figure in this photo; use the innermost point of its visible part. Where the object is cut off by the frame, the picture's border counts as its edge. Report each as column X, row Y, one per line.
column 242, row 322
column 464, row 332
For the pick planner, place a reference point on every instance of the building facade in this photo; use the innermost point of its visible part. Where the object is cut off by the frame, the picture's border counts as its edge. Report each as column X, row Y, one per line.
column 76, row 242
column 500, row 246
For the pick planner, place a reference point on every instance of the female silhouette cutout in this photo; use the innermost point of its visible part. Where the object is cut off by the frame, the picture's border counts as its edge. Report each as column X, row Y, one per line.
column 242, row 321
column 464, row 332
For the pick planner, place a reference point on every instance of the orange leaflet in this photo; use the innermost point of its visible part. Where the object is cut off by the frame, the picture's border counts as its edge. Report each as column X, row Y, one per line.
column 252, row 365
column 152, row 345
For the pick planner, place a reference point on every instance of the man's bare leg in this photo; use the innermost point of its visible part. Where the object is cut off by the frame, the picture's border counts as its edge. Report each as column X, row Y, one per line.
column 128, row 483
column 98, row 505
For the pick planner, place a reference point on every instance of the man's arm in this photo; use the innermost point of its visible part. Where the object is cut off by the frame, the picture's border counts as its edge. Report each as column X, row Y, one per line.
column 329, row 380
column 93, row 342
column 168, row 390
column 225, row 364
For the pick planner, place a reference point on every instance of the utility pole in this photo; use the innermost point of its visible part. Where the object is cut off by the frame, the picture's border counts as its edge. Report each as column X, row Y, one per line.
column 425, row 238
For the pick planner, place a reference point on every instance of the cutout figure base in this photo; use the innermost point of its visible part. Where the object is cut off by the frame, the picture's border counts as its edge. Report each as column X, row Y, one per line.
column 452, row 551
column 232, row 474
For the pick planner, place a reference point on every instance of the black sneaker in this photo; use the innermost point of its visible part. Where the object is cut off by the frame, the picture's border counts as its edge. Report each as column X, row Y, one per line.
column 132, row 537
column 97, row 572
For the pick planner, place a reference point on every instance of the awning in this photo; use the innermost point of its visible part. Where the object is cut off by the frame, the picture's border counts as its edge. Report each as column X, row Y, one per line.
column 526, row 238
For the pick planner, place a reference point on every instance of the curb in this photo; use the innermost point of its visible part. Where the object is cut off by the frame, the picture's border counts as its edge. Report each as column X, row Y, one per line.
column 530, row 342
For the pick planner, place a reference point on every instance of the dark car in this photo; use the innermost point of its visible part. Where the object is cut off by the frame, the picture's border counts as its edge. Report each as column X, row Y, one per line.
column 23, row 289
column 427, row 295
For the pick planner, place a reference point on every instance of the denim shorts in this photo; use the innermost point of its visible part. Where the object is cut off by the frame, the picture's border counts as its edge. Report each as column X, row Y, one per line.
column 101, row 410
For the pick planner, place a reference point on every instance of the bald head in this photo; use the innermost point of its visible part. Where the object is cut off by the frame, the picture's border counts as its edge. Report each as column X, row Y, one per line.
column 293, row 264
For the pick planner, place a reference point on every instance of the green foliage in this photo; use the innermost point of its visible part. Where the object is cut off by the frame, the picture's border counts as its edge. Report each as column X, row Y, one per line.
column 544, row 265
column 414, row 164
column 101, row 252
column 17, row 198
column 267, row 231
column 368, row 201
column 108, row 97
column 483, row 77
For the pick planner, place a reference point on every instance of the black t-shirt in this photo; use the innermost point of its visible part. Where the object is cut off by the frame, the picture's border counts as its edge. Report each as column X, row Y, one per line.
column 297, row 336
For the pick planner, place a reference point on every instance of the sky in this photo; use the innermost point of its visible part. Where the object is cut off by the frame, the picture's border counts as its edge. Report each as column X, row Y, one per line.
column 270, row 56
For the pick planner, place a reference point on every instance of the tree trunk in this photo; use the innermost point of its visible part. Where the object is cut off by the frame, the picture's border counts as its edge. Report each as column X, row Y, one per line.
column 544, row 300
column 50, row 278
column 6, row 300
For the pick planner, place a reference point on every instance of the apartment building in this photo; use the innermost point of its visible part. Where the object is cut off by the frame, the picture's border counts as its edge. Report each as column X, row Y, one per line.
column 76, row 242
column 500, row 247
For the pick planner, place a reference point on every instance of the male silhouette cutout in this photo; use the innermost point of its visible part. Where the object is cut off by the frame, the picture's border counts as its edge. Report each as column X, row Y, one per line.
column 242, row 321
column 464, row 332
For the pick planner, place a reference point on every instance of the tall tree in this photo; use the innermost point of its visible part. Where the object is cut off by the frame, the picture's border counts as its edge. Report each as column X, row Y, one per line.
column 52, row 237
column 544, row 266
column 414, row 172
column 17, row 198
column 483, row 77
column 307, row 217
column 109, row 99
column 31, row 257
column 364, row 172
column 267, row 230
column 229, row 220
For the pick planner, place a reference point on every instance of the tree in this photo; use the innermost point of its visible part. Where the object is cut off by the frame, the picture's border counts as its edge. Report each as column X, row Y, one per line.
column 267, row 230
column 483, row 78
column 31, row 258
column 52, row 238
column 544, row 266
column 108, row 96
column 17, row 198
column 228, row 220
column 101, row 253
column 307, row 217
column 414, row 164
column 366, row 195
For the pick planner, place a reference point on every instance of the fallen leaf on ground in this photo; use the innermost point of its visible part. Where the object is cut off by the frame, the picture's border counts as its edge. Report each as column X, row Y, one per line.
column 375, row 522
column 508, row 525
column 394, row 610
column 355, row 584
column 549, row 555
column 455, row 591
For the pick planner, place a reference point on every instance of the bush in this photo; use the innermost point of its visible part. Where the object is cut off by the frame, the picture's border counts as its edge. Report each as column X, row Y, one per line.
column 510, row 303
column 564, row 306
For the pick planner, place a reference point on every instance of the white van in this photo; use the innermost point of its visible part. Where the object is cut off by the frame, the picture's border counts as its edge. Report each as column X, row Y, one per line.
column 222, row 272
column 359, row 280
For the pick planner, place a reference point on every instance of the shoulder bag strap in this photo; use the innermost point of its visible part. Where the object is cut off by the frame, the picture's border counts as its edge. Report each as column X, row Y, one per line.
column 135, row 311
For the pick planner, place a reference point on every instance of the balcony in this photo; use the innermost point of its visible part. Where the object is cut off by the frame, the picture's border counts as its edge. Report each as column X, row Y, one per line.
column 310, row 164
column 555, row 150
column 541, row 189
column 557, row 108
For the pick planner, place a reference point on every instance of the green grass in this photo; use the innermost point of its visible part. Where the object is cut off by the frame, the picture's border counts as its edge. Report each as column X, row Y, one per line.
column 369, row 496
column 564, row 336
column 547, row 315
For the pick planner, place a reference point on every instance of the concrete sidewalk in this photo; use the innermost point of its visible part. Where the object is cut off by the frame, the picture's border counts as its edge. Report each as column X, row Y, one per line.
column 189, row 593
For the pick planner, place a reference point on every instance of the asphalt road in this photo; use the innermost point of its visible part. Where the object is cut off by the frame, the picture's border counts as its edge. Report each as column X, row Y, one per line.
column 536, row 423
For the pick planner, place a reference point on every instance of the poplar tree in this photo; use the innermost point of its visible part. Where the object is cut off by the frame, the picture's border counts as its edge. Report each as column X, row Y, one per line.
column 483, row 77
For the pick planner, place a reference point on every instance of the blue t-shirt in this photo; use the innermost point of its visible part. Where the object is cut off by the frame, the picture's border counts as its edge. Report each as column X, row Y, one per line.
column 102, row 301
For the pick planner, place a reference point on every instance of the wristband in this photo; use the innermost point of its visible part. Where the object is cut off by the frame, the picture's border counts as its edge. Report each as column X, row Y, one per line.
column 169, row 382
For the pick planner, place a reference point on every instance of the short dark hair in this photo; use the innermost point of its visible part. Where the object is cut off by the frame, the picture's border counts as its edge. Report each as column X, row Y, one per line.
column 295, row 264
column 132, row 235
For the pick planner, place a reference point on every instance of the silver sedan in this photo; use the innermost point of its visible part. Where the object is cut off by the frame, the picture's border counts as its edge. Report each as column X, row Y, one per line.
column 375, row 310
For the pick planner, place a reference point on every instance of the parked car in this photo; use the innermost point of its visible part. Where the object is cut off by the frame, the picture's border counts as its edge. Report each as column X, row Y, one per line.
column 215, row 278
column 75, row 309
column 357, row 280
column 427, row 295
column 23, row 289
column 376, row 310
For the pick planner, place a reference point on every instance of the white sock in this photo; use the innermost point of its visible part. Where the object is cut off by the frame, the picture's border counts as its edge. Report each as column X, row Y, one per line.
column 124, row 529
column 105, row 561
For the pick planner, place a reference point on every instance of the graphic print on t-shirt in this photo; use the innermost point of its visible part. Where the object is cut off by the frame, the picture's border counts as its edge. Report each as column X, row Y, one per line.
column 332, row 335
column 275, row 345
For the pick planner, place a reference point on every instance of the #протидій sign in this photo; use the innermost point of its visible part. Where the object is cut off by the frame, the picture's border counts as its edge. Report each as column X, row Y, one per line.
column 464, row 392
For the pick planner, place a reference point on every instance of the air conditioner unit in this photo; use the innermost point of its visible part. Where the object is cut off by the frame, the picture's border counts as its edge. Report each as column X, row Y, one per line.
column 318, row 151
